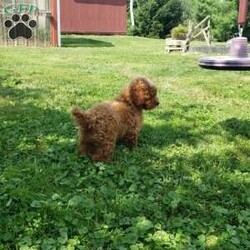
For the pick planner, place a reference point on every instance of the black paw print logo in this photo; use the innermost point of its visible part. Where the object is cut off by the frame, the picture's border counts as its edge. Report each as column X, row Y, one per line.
column 20, row 26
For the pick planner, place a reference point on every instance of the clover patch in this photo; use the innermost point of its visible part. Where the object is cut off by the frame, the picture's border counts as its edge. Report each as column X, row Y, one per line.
column 20, row 26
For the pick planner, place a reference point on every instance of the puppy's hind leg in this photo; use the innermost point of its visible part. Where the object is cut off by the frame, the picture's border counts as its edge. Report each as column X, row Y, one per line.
column 104, row 152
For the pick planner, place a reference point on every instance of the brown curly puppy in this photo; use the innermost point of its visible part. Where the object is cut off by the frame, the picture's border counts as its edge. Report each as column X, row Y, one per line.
column 105, row 123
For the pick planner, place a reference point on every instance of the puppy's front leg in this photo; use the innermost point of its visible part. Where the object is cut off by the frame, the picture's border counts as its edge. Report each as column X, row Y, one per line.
column 130, row 139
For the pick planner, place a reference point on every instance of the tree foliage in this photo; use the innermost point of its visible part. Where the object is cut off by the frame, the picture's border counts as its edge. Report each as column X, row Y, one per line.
column 223, row 17
column 156, row 18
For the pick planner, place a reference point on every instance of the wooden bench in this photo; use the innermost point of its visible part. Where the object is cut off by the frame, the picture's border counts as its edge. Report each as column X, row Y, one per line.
column 176, row 45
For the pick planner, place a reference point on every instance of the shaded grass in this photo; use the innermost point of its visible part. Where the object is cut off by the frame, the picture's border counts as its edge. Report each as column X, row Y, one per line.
column 186, row 185
column 79, row 41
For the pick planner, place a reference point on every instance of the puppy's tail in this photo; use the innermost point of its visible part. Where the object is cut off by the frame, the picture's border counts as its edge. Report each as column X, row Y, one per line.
column 80, row 117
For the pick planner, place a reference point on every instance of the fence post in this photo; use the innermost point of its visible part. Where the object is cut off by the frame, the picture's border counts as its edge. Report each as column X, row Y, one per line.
column 54, row 23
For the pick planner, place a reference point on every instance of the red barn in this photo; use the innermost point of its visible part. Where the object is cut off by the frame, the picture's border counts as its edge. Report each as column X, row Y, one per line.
column 94, row 16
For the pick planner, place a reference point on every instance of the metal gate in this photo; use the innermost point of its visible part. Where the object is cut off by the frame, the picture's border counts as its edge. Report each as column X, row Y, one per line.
column 25, row 22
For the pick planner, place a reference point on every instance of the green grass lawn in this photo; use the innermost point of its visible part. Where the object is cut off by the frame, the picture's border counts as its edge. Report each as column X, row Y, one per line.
column 187, row 184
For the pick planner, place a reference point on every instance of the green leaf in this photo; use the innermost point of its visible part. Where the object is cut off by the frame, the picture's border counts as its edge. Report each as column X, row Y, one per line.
column 78, row 200
column 75, row 201
column 7, row 236
column 235, row 241
column 143, row 225
column 130, row 238
column 36, row 204
column 55, row 197
column 82, row 230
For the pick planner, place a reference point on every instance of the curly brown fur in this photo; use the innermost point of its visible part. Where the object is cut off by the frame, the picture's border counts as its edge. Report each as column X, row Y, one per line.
column 102, row 125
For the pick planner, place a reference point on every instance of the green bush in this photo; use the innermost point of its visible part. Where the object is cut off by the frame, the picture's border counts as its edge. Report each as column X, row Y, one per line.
column 179, row 32
column 156, row 18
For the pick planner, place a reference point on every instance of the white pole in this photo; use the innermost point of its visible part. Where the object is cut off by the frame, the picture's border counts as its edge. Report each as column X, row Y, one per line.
column 132, row 12
column 58, row 10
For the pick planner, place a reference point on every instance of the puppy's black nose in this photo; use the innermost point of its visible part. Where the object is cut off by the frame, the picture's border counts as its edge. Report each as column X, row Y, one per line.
column 157, row 103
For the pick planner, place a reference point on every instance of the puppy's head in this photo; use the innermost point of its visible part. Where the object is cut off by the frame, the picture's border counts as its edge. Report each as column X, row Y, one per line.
column 143, row 93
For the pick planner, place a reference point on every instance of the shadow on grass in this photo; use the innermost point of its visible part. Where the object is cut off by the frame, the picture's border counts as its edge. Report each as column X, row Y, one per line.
column 165, row 192
column 186, row 188
column 190, row 129
column 237, row 127
column 29, row 131
column 74, row 41
column 178, row 126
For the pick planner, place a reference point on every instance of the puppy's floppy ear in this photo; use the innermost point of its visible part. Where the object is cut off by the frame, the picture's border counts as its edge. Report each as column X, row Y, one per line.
column 138, row 90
